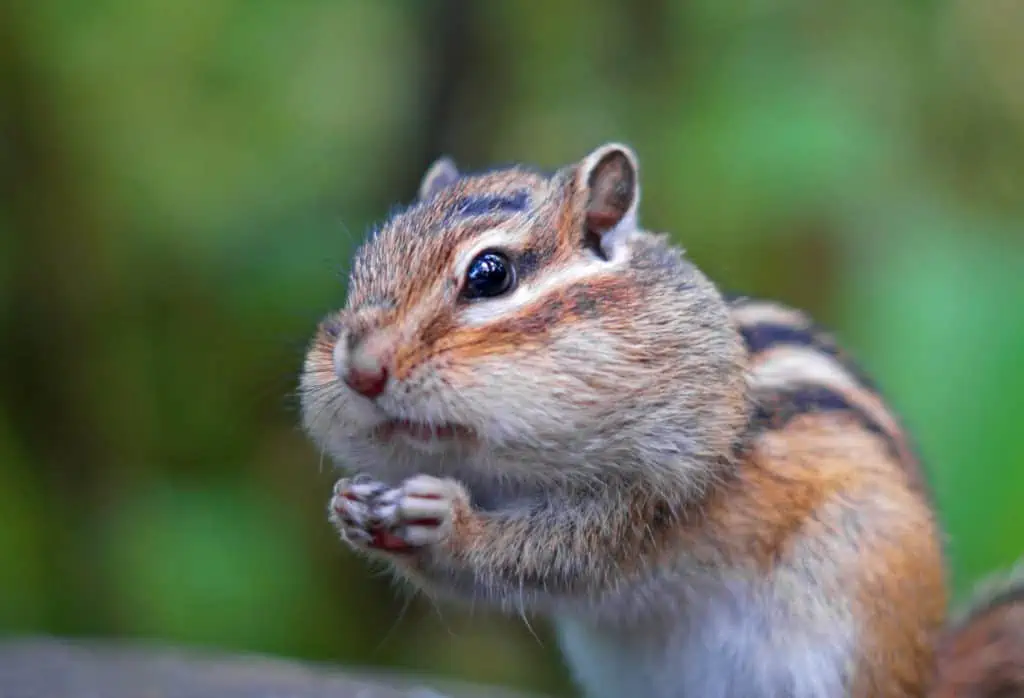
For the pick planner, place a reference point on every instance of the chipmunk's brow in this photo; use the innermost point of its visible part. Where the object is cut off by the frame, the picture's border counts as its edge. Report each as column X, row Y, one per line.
column 482, row 205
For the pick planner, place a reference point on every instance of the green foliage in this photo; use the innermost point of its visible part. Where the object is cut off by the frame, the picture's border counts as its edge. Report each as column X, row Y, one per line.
column 183, row 182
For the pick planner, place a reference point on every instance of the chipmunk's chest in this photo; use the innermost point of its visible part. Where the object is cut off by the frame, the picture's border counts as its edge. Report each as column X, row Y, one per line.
column 738, row 643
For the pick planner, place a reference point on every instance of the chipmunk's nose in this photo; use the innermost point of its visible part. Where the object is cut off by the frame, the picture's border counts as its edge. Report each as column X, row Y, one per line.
column 368, row 382
column 363, row 365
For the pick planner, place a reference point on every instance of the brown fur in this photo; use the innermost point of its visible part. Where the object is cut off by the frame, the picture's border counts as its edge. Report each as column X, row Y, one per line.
column 982, row 654
column 792, row 478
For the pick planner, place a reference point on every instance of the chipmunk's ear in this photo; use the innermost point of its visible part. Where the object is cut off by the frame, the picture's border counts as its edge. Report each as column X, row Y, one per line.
column 442, row 173
column 610, row 178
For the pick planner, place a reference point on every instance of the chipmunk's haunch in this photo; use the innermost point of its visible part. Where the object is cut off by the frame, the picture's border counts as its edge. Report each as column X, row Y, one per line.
column 554, row 410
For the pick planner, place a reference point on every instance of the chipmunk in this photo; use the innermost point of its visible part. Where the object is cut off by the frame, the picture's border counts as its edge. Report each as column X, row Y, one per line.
column 553, row 410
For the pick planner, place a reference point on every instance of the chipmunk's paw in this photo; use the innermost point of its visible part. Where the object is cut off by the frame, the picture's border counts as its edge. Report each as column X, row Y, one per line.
column 352, row 506
column 421, row 511
column 418, row 513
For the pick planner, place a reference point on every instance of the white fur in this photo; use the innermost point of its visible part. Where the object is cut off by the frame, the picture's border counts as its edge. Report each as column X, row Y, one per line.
column 787, row 365
column 724, row 638
column 705, row 629
column 755, row 312
column 340, row 356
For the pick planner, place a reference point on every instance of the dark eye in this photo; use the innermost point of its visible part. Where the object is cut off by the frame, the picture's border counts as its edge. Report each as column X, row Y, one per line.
column 489, row 275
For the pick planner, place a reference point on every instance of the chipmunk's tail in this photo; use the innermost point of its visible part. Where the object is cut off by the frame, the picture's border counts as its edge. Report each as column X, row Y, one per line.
column 982, row 652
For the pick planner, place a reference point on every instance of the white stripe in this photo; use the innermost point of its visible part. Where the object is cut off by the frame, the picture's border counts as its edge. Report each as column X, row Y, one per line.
column 491, row 309
column 497, row 238
column 785, row 366
column 756, row 312
column 782, row 366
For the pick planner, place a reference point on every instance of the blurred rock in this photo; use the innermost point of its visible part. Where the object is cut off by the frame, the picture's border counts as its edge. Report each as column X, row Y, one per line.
column 57, row 668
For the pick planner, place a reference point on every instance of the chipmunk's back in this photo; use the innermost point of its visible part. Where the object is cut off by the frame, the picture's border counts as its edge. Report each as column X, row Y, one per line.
column 797, row 370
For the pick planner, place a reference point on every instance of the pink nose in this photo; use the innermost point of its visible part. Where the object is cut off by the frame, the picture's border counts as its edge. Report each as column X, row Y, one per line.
column 368, row 382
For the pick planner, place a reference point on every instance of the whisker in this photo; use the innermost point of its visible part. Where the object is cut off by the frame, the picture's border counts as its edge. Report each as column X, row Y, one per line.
column 440, row 615
column 522, row 614
column 410, row 595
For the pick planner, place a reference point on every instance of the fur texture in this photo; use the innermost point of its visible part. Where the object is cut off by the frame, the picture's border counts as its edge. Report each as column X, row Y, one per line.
column 703, row 493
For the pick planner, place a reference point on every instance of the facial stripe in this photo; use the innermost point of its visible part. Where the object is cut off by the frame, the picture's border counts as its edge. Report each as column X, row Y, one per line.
column 525, row 294
column 487, row 204
column 495, row 238
column 554, row 312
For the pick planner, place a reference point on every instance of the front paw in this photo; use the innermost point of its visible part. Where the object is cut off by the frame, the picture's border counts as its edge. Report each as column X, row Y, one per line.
column 418, row 513
column 351, row 508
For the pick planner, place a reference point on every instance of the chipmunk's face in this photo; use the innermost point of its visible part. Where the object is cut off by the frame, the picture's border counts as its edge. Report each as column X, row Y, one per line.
column 505, row 317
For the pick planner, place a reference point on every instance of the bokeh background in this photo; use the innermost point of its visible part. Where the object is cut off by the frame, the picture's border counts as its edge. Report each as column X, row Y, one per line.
column 181, row 184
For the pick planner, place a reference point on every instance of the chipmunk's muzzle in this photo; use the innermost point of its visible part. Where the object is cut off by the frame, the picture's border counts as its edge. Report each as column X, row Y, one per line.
column 363, row 361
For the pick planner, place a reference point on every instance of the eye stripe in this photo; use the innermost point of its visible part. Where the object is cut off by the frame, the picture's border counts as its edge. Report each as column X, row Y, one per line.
column 496, row 238
column 528, row 293
column 528, row 261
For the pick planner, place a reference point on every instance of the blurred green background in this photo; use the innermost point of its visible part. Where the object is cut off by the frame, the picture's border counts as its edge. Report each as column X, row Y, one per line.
column 181, row 184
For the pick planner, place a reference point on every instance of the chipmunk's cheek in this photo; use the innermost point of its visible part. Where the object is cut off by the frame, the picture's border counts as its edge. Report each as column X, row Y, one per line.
column 336, row 422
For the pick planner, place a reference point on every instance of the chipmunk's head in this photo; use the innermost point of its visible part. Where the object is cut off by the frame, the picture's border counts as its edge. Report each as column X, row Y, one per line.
column 523, row 324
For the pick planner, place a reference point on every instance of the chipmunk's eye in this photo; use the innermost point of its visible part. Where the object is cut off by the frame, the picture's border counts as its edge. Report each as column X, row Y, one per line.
column 490, row 274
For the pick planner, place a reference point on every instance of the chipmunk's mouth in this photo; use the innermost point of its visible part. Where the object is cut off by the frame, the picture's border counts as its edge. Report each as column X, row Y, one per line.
column 425, row 433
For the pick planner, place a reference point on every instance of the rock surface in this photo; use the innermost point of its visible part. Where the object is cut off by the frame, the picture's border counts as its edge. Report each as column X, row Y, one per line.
column 56, row 668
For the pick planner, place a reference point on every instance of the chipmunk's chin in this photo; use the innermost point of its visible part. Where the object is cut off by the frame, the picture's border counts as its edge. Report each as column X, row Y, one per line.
column 430, row 438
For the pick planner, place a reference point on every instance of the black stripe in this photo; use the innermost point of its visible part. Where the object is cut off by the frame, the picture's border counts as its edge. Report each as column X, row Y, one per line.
column 1012, row 595
column 765, row 335
column 483, row 205
column 777, row 408
column 528, row 262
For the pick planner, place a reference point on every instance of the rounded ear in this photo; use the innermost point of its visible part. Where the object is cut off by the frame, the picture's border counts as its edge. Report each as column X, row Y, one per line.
column 610, row 177
column 441, row 174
